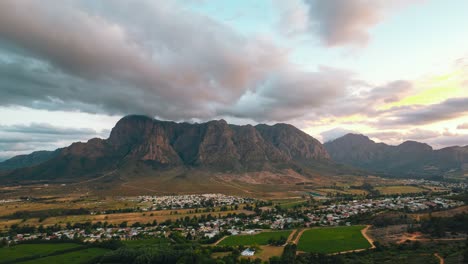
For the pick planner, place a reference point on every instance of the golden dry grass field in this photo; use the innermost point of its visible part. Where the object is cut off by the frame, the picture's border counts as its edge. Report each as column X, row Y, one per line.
column 94, row 204
column 266, row 252
column 130, row 218
column 399, row 189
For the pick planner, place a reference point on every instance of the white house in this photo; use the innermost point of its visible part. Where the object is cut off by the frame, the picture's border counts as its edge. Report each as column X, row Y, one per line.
column 248, row 252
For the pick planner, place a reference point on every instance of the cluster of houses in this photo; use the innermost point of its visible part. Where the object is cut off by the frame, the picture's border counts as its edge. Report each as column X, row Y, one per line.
column 127, row 233
column 332, row 214
column 443, row 185
column 337, row 213
column 4, row 201
column 191, row 201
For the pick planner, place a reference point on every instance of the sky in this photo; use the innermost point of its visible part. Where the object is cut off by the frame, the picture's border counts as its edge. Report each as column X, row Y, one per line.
column 393, row 70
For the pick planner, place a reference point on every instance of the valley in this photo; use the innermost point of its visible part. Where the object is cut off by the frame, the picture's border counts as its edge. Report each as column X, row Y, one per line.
column 223, row 193
column 323, row 219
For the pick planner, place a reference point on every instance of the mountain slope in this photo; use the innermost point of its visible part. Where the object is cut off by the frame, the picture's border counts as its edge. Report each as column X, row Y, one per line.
column 29, row 160
column 213, row 146
column 409, row 159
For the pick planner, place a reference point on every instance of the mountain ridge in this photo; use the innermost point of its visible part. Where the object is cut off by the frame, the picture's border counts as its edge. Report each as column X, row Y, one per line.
column 27, row 160
column 214, row 145
column 408, row 159
column 218, row 146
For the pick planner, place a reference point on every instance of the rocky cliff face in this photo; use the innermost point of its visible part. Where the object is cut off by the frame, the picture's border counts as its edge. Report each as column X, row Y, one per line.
column 214, row 145
column 293, row 143
column 410, row 158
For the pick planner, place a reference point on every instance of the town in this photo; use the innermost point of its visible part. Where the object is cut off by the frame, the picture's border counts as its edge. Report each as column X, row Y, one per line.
column 191, row 201
column 324, row 213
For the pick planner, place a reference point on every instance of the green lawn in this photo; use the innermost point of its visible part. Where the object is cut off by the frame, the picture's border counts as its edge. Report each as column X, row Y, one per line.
column 258, row 239
column 75, row 257
column 29, row 250
column 333, row 239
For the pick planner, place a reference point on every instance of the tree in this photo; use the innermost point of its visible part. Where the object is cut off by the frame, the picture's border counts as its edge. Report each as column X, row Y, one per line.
column 275, row 260
column 465, row 253
column 289, row 254
column 4, row 242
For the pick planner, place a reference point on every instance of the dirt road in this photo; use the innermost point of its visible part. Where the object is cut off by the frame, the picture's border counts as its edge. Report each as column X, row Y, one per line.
column 369, row 239
column 441, row 259
column 296, row 241
column 290, row 237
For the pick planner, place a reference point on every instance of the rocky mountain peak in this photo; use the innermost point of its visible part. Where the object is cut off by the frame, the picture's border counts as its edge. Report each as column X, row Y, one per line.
column 214, row 145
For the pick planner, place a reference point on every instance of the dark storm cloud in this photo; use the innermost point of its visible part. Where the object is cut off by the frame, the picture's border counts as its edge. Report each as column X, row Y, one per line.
column 291, row 94
column 100, row 57
column 166, row 61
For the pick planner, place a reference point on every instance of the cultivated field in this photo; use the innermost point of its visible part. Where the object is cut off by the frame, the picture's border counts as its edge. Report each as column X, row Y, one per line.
column 145, row 242
column 130, row 218
column 257, row 239
column 75, row 257
column 48, row 203
column 181, row 181
column 266, row 252
column 285, row 204
column 10, row 213
column 333, row 239
column 399, row 189
column 326, row 191
column 10, row 254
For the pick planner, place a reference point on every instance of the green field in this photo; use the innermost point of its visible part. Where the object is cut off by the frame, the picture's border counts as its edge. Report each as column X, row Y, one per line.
column 75, row 257
column 145, row 242
column 31, row 250
column 289, row 205
column 258, row 239
column 399, row 189
column 333, row 239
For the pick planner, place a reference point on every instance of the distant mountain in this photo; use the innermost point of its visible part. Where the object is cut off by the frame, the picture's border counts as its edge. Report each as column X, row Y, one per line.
column 22, row 161
column 409, row 159
column 212, row 146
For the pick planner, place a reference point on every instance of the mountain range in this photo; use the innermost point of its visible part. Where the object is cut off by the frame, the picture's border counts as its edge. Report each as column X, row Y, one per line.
column 212, row 146
column 140, row 145
column 34, row 158
column 409, row 159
